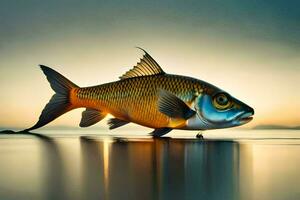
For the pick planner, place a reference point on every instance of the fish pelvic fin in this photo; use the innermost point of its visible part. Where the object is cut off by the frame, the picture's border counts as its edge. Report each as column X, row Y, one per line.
column 60, row 102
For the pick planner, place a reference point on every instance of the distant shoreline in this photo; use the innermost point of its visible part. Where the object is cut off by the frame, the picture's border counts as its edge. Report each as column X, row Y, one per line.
column 275, row 127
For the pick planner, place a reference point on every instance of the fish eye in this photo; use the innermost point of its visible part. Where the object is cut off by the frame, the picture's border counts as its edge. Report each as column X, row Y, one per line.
column 221, row 101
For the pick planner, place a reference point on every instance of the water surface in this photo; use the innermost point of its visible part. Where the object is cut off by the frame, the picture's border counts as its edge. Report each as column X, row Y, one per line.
column 75, row 165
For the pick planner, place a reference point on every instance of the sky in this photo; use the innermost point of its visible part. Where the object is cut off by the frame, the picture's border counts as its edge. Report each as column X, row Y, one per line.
column 251, row 49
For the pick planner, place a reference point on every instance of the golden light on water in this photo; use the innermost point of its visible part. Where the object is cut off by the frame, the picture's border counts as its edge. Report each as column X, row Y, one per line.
column 106, row 154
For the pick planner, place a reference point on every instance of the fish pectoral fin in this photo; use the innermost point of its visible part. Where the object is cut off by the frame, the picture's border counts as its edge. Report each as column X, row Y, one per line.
column 146, row 67
column 172, row 106
column 116, row 123
column 158, row 132
column 91, row 117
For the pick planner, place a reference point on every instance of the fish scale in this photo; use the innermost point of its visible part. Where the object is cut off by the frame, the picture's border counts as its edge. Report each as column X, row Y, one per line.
column 135, row 99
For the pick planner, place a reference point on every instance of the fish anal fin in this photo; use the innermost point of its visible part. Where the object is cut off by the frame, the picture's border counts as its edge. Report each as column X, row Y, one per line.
column 116, row 123
column 158, row 132
column 91, row 117
column 146, row 67
column 172, row 106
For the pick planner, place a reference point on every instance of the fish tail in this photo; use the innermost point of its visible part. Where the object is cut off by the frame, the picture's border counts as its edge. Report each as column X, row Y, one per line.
column 60, row 102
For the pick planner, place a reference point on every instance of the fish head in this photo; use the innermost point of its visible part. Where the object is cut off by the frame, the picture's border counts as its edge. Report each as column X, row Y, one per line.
column 217, row 109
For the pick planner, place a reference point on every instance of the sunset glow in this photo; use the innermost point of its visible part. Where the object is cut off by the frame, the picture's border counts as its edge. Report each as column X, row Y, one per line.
column 249, row 57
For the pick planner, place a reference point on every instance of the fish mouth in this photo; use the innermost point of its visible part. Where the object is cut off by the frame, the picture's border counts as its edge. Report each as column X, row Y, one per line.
column 245, row 117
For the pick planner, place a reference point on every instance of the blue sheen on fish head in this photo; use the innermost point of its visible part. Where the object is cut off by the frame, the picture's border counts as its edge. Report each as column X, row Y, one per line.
column 217, row 109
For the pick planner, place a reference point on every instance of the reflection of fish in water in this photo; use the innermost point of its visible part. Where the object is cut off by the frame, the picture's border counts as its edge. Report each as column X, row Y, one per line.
column 148, row 96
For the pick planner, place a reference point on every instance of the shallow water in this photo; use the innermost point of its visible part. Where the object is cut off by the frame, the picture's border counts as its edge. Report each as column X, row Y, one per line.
column 228, row 165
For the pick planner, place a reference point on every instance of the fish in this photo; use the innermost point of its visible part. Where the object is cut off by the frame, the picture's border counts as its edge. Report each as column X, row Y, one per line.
column 148, row 96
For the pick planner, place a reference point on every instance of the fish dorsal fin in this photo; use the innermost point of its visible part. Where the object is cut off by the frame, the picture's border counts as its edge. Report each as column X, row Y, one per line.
column 146, row 67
